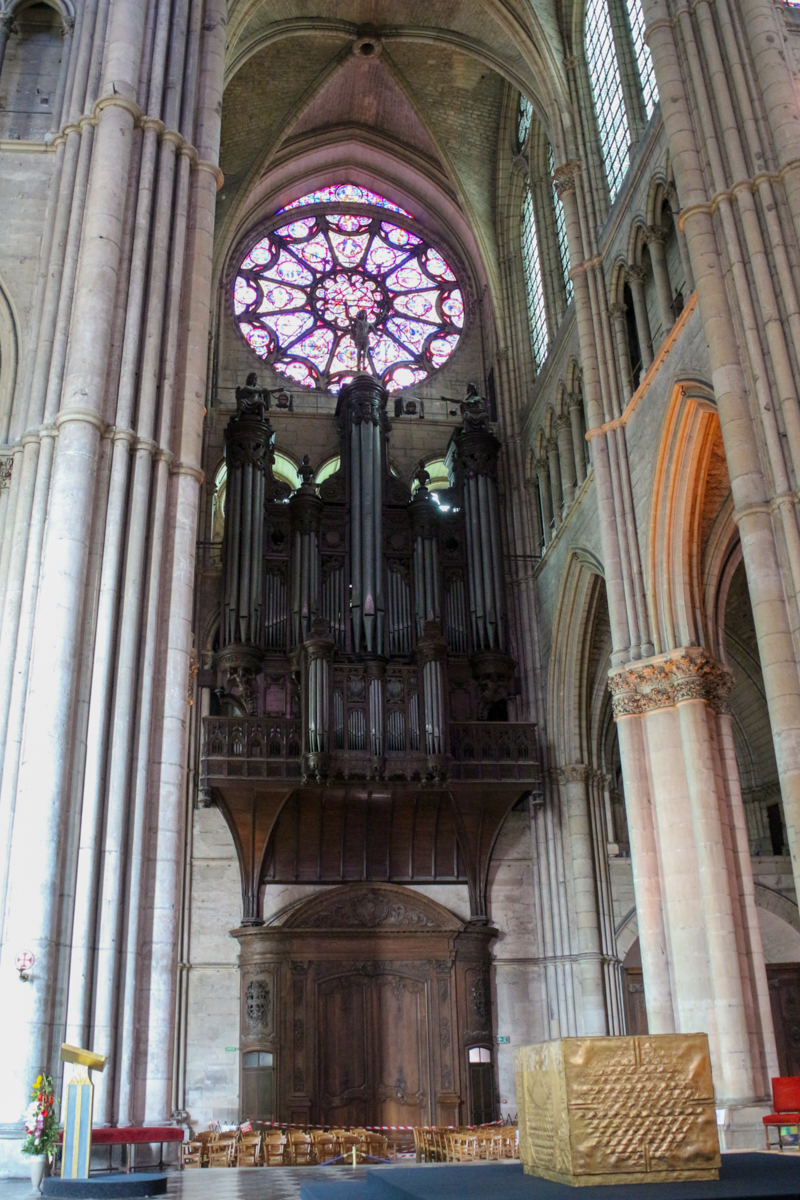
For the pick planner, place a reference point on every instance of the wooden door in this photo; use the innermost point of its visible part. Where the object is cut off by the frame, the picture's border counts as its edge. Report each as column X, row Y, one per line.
column 344, row 1051
column 784, row 994
column 481, row 1090
column 401, row 1051
column 634, row 1001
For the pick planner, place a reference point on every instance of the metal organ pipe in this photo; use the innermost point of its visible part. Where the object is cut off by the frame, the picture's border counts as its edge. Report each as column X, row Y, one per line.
column 306, row 509
column 425, row 528
column 362, row 406
column 477, row 451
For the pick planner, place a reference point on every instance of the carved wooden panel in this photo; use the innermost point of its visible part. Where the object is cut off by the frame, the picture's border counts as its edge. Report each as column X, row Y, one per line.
column 378, row 992
column 343, row 1036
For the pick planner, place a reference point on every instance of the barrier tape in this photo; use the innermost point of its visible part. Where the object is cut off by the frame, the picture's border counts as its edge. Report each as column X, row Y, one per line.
column 248, row 1126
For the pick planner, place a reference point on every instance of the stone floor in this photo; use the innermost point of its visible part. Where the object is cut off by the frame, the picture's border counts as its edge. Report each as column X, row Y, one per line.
column 273, row 1183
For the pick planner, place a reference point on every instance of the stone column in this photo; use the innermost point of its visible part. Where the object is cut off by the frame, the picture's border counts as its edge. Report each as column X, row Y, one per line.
column 628, row 708
column 575, row 782
column 656, row 238
column 554, row 467
column 617, row 313
column 543, row 475
column 635, row 277
column 578, row 440
column 41, row 817
column 566, row 455
column 708, row 923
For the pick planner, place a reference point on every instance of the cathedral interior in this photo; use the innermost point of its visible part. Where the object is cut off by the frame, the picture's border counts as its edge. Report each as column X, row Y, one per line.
column 400, row 548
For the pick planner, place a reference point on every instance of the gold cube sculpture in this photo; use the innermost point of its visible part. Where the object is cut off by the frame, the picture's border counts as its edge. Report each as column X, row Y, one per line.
column 618, row 1109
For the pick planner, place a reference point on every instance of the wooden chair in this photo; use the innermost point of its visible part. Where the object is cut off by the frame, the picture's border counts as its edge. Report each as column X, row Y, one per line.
column 510, row 1144
column 345, row 1140
column 206, row 1137
column 248, row 1150
column 375, row 1146
column 220, row 1153
column 785, row 1105
column 325, row 1147
column 301, row 1148
column 191, row 1154
column 274, row 1147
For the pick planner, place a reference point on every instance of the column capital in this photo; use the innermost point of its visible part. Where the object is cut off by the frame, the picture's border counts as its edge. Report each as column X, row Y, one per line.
column 564, row 177
column 654, row 233
column 687, row 673
column 618, row 310
column 635, row 274
column 574, row 773
column 6, row 467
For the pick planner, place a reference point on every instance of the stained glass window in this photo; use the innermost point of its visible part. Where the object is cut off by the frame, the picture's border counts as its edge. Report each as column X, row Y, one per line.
column 345, row 193
column 609, row 103
column 531, row 265
column 561, row 227
column 301, row 287
column 644, row 59
column 524, row 120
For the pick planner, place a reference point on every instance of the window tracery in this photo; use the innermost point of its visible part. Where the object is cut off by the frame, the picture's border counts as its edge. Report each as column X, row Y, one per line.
column 301, row 288
column 532, row 268
column 561, row 227
column 609, row 101
column 644, row 60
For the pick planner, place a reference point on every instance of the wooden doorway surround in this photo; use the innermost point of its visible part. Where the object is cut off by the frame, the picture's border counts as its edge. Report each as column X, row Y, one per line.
column 369, row 997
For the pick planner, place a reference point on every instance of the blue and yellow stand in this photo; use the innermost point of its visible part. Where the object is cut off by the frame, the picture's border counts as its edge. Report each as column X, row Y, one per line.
column 77, row 1146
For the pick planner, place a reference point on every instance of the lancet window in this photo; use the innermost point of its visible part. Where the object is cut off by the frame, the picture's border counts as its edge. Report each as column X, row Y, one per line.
column 532, row 267
column 622, row 79
column 561, row 227
column 339, row 273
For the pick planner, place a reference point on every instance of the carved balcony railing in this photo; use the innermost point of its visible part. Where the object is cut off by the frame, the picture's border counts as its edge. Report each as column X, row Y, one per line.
column 496, row 751
column 271, row 748
column 252, row 748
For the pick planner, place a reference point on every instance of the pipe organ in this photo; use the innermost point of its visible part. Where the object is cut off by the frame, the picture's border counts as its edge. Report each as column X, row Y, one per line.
column 367, row 618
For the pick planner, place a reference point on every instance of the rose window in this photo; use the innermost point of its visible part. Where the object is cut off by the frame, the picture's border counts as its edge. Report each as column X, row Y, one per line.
column 301, row 287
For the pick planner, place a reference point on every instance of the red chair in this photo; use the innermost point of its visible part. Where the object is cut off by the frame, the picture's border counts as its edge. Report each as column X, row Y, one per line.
column 786, row 1105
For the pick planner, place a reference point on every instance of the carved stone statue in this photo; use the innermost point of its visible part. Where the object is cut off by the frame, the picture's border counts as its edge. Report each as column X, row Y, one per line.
column 251, row 400
column 306, row 472
column 474, row 415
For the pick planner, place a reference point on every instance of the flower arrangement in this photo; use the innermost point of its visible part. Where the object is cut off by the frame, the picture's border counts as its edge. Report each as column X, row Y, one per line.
column 41, row 1120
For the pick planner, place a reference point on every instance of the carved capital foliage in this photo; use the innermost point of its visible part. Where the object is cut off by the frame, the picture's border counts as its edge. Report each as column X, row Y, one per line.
column 564, row 177
column 618, row 310
column 654, row 233
column 635, row 275
column 687, row 674
column 6, row 467
column 574, row 773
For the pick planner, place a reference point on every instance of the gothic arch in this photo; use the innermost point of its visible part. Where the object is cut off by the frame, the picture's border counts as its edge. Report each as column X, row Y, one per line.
column 690, row 472
column 568, row 683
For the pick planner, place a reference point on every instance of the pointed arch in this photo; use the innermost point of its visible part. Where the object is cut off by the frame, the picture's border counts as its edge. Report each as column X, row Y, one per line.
column 689, row 514
column 568, row 680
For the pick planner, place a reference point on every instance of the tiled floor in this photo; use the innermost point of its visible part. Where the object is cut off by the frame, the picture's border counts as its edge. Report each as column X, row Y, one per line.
column 273, row 1183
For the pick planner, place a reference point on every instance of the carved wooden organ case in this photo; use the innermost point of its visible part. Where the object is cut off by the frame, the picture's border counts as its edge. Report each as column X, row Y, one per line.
column 364, row 665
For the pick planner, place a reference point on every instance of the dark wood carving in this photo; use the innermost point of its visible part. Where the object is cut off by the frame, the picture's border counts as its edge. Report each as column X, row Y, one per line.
column 378, row 994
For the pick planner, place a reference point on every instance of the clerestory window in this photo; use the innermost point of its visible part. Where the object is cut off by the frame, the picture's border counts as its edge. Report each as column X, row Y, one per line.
column 622, row 79
column 532, row 267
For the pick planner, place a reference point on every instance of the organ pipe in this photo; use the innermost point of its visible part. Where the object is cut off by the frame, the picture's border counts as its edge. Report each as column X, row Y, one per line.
column 306, row 510
column 362, row 413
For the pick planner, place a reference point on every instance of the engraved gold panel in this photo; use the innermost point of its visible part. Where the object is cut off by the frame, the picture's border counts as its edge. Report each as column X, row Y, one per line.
column 618, row 1109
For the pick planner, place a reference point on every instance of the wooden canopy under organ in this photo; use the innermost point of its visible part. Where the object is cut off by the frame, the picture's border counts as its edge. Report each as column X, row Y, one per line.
column 363, row 675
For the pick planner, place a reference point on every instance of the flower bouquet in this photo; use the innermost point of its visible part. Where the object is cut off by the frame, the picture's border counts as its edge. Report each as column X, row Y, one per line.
column 41, row 1120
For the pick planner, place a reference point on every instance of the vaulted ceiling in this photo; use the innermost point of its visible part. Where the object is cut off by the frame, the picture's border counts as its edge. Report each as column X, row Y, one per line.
column 410, row 97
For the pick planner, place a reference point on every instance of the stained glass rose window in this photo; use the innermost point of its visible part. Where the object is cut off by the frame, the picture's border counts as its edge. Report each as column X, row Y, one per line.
column 301, row 287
